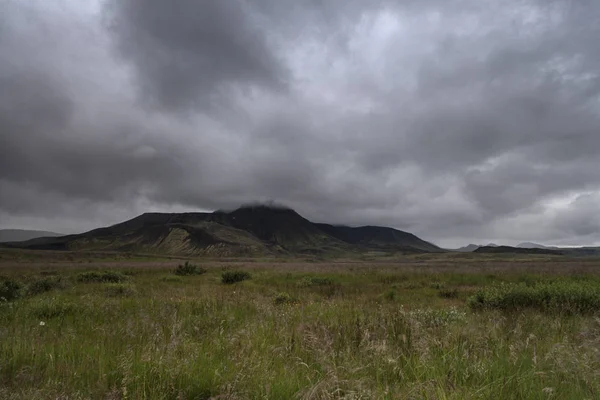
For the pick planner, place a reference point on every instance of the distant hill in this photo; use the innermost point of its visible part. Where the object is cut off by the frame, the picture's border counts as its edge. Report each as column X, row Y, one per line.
column 515, row 250
column 17, row 235
column 472, row 247
column 247, row 231
column 377, row 237
column 581, row 251
column 467, row 249
column 569, row 251
column 530, row 245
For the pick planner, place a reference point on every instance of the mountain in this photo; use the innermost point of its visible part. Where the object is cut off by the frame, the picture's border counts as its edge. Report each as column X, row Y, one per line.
column 247, row 231
column 377, row 237
column 17, row 235
column 515, row 250
column 280, row 226
column 530, row 245
column 570, row 251
column 581, row 251
column 468, row 249
column 472, row 247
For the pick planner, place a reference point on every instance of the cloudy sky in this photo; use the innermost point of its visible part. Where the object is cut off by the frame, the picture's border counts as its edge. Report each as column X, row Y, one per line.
column 458, row 120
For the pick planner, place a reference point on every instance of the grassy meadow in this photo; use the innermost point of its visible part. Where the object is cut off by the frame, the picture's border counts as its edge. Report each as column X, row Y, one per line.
column 419, row 329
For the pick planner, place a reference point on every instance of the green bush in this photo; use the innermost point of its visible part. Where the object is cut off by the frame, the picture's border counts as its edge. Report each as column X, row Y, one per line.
column 413, row 285
column 189, row 269
column 284, row 298
column 119, row 290
column 309, row 281
column 229, row 277
column 49, row 272
column 559, row 296
column 101, row 277
column 389, row 295
column 38, row 286
column 171, row 279
column 448, row 293
column 9, row 289
column 54, row 308
column 392, row 278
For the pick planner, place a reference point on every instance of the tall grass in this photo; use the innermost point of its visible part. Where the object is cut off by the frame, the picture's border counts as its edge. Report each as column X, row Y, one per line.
column 559, row 296
column 230, row 277
column 270, row 338
column 187, row 269
column 10, row 289
column 105, row 276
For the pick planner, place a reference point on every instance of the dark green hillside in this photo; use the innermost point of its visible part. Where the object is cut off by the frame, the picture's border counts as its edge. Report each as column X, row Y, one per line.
column 378, row 237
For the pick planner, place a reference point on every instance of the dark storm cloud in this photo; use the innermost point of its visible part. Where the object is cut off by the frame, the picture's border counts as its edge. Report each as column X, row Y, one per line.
column 458, row 120
column 58, row 133
column 187, row 51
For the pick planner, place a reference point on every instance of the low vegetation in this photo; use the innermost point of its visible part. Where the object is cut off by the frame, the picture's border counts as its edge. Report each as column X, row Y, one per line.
column 306, row 331
column 448, row 293
column 101, row 277
column 10, row 289
column 284, row 298
column 44, row 284
column 559, row 296
column 230, row 277
column 310, row 281
column 119, row 290
column 187, row 269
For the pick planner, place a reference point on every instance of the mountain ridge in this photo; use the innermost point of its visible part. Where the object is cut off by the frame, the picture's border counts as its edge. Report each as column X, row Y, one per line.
column 516, row 250
column 531, row 245
column 14, row 235
column 248, row 230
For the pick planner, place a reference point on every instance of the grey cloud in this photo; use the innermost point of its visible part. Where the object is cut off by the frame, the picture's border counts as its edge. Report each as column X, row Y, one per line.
column 55, row 136
column 186, row 52
column 581, row 218
column 455, row 120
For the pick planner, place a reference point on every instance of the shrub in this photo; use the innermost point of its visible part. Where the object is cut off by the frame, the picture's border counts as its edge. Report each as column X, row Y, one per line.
column 49, row 272
column 171, row 279
column 189, row 269
column 229, row 277
column 284, row 298
column 43, row 285
column 392, row 278
column 53, row 308
column 310, row 281
column 119, row 290
column 389, row 295
column 559, row 296
column 412, row 285
column 448, row 293
column 102, row 277
column 9, row 289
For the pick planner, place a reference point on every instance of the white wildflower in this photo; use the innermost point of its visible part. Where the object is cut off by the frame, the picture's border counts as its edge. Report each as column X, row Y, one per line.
column 42, row 323
column 548, row 390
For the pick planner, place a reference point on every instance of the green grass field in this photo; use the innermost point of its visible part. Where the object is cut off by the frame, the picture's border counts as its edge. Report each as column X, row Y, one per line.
column 299, row 331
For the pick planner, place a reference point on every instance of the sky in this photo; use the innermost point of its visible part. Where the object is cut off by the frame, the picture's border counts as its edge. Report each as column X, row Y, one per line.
column 462, row 121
